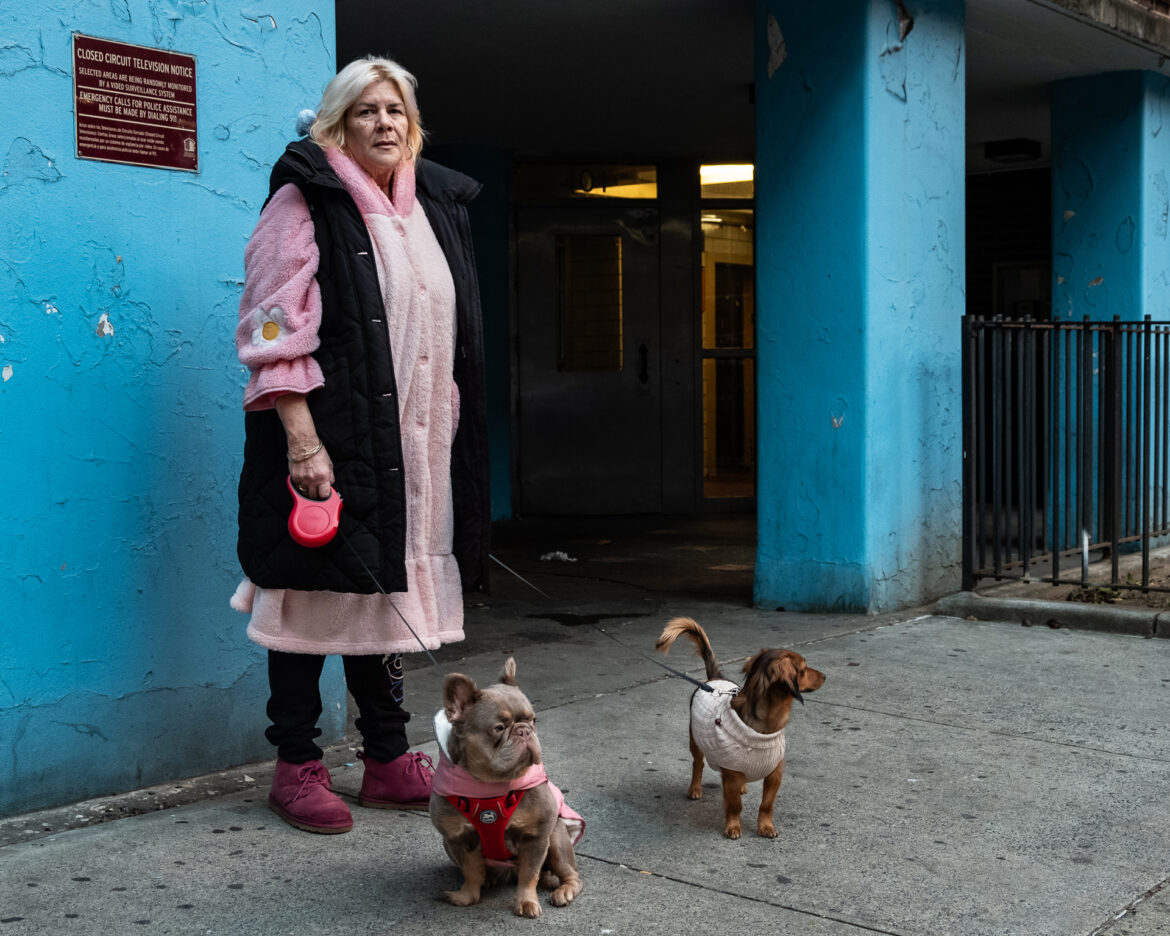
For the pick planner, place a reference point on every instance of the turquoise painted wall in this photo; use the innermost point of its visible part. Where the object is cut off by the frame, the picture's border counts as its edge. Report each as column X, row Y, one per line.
column 120, row 661
column 1111, row 196
column 860, row 284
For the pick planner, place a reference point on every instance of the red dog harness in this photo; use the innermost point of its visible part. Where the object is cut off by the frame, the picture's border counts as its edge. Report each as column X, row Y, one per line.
column 490, row 818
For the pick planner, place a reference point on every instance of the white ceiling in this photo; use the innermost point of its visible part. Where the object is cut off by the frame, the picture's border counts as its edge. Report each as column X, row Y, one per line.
column 628, row 79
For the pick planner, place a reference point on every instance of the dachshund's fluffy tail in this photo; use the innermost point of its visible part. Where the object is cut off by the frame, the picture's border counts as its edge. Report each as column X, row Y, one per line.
column 683, row 625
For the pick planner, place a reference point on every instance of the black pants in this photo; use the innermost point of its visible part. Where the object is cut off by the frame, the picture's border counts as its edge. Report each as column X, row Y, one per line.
column 294, row 704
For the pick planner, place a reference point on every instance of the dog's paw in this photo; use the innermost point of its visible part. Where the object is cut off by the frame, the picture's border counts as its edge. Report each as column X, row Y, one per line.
column 462, row 898
column 528, row 908
column 566, row 893
column 732, row 830
column 695, row 792
column 766, row 829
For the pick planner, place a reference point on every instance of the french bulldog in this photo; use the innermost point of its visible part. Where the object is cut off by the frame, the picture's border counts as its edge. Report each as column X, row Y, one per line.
column 492, row 801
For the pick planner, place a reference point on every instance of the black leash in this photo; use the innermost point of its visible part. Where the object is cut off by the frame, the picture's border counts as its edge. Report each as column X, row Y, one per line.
column 597, row 627
column 374, row 579
column 670, row 669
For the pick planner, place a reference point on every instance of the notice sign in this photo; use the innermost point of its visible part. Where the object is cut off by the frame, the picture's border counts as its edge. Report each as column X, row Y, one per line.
column 134, row 104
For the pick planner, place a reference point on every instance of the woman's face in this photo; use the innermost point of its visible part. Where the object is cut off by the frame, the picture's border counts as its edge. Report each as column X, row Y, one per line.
column 375, row 130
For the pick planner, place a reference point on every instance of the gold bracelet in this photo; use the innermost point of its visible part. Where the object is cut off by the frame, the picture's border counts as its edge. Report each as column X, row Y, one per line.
column 306, row 455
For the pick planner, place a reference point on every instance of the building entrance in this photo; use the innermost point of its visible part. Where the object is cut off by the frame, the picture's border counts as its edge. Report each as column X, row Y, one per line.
column 588, row 356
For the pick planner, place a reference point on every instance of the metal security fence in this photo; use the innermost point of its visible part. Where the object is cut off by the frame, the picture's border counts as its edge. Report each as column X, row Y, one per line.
column 1066, row 447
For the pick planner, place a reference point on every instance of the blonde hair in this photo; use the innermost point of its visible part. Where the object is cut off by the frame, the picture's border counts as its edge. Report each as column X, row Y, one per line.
column 347, row 86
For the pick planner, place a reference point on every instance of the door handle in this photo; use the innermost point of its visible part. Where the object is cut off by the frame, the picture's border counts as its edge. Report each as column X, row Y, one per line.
column 643, row 363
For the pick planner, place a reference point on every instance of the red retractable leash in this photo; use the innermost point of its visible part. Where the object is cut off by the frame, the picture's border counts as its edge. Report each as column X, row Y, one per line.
column 315, row 521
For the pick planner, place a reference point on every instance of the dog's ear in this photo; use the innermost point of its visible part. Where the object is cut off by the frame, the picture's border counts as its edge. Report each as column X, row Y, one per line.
column 785, row 673
column 508, row 673
column 459, row 694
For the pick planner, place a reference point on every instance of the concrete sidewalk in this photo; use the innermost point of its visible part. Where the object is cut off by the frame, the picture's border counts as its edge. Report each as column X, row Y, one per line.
column 952, row 776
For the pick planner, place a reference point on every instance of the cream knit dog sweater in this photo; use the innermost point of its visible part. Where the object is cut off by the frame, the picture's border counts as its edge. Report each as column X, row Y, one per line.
column 725, row 740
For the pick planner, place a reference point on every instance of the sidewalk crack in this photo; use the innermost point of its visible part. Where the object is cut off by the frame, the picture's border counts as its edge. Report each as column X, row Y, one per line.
column 729, row 893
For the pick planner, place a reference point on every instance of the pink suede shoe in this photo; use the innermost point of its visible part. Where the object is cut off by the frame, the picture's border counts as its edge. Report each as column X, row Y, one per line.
column 403, row 783
column 301, row 795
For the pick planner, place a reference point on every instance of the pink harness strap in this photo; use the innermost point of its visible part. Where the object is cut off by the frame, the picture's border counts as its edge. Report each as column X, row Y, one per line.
column 490, row 818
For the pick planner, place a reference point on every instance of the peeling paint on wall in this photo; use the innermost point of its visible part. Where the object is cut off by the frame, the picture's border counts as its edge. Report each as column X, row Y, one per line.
column 905, row 20
column 27, row 162
column 7, row 372
column 893, row 65
column 893, row 70
column 777, row 47
column 104, row 328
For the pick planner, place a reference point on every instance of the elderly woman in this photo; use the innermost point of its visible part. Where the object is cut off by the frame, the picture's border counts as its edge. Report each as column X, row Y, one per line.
column 360, row 324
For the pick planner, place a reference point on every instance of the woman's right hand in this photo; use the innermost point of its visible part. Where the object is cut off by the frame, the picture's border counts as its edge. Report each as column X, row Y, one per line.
column 312, row 475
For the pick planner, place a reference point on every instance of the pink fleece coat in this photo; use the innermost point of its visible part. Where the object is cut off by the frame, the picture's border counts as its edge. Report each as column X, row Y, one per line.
column 280, row 312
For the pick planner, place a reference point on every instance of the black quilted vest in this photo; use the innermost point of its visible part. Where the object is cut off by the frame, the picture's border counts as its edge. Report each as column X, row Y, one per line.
column 356, row 411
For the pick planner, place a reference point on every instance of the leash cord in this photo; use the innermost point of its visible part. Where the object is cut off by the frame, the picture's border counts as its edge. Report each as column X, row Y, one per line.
column 670, row 669
column 374, row 578
column 601, row 630
column 521, row 577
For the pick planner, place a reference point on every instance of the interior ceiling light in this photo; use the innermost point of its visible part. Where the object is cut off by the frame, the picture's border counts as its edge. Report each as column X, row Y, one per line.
column 1019, row 150
column 732, row 172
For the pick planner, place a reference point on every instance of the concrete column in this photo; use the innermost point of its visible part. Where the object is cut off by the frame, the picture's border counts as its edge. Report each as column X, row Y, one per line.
column 1110, row 196
column 860, row 283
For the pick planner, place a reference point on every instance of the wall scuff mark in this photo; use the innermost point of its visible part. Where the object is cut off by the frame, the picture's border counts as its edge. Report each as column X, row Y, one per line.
column 777, row 47
column 1125, row 233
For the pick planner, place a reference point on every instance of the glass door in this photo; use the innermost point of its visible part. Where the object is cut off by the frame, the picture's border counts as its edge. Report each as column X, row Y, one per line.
column 728, row 332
